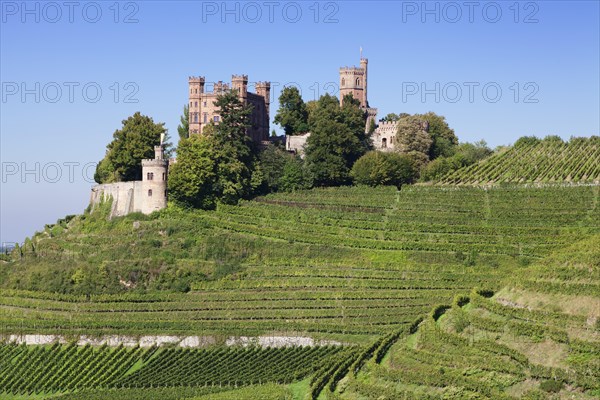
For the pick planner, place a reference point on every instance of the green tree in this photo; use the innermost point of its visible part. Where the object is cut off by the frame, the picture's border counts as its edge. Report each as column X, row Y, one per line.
column 193, row 177
column 234, row 152
column 391, row 117
column 292, row 115
column 131, row 144
column 377, row 168
column 294, row 176
column 184, row 126
column 337, row 140
column 443, row 137
column 412, row 136
column 272, row 161
column 216, row 166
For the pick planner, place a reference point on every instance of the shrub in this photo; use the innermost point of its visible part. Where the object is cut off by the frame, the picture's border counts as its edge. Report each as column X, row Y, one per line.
column 552, row 386
column 376, row 168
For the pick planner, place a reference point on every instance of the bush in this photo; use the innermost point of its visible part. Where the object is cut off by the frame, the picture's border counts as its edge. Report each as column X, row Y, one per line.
column 376, row 168
column 552, row 386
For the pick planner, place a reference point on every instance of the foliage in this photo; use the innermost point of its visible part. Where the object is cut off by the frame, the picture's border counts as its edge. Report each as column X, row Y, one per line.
column 292, row 115
column 184, row 126
column 376, row 168
column 193, row 177
column 131, row 144
column 337, row 140
column 217, row 166
column 443, row 138
column 529, row 160
column 412, row 135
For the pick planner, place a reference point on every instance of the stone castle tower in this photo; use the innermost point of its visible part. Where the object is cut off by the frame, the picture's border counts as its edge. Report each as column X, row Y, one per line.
column 353, row 80
column 154, row 182
column 145, row 196
column 203, row 110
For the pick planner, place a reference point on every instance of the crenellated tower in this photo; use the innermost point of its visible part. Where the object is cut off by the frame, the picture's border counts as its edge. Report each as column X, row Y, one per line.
column 353, row 80
column 196, row 86
column 154, row 182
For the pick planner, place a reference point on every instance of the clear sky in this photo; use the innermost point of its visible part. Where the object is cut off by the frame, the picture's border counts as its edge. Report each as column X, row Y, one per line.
column 71, row 71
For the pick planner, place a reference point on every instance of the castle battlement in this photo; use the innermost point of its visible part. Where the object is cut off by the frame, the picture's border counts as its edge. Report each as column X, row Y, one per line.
column 239, row 78
column 384, row 124
column 196, row 79
column 354, row 70
column 262, row 84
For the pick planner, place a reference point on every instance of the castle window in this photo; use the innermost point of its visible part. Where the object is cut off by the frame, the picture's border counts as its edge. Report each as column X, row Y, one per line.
column 343, row 82
column 196, row 91
column 164, row 176
column 165, row 193
column 149, row 192
column 196, row 104
column 205, row 118
column 204, row 104
column 391, row 139
column 383, row 143
column 150, row 176
column 216, row 118
column 195, row 117
column 357, row 81
column 190, row 103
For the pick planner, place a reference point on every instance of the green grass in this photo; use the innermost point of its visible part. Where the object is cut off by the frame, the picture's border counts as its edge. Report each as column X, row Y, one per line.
column 356, row 265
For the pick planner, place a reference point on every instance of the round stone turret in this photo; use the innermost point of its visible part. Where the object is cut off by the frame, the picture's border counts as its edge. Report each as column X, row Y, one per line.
column 154, row 182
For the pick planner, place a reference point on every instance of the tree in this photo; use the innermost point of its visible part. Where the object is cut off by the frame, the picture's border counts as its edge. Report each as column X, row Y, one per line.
column 184, row 127
column 272, row 161
column 292, row 115
column 443, row 137
column 193, row 177
column 337, row 140
column 131, row 144
column 234, row 152
column 412, row 136
column 377, row 168
column 295, row 176
column 218, row 165
column 391, row 117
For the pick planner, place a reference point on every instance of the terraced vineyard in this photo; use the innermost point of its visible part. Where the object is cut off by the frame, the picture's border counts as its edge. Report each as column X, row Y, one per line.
column 330, row 264
column 526, row 341
column 37, row 369
column 535, row 161
column 353, row 265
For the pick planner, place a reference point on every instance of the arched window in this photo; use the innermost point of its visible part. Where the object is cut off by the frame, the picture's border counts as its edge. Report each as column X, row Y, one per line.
column 343, row 82
column 195, row 117
column 357, row 81
column 150, row 176
column 383, row 143
column 149, row 192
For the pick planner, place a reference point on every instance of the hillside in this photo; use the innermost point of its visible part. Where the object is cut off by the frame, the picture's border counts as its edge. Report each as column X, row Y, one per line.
column 354, row 266
column 537, row 338
column 533, row 160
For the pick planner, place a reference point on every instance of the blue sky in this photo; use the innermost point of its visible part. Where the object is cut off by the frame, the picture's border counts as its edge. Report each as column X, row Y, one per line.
column 71, row 72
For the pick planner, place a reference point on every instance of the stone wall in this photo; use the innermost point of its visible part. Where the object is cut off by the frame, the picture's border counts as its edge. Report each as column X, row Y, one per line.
column 125, row 197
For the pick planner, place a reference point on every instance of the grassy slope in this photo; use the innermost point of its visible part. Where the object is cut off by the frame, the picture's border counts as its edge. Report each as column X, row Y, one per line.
column 346, row 263
column 508, row 345
column 543, row 161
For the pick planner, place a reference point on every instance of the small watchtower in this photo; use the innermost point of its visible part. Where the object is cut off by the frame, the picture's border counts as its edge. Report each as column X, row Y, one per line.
column 154, row 181
column 353, row 80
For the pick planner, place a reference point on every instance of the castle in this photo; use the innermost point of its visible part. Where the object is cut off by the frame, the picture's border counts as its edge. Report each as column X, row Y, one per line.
column 145, row 196
column 354, row 81
column 203, row 110
column 150, row 194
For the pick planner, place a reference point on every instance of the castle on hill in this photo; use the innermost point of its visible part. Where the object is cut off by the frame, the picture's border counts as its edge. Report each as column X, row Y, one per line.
column 145, row 196
column 354, row 81
column 203, row 110
column 150, row 194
